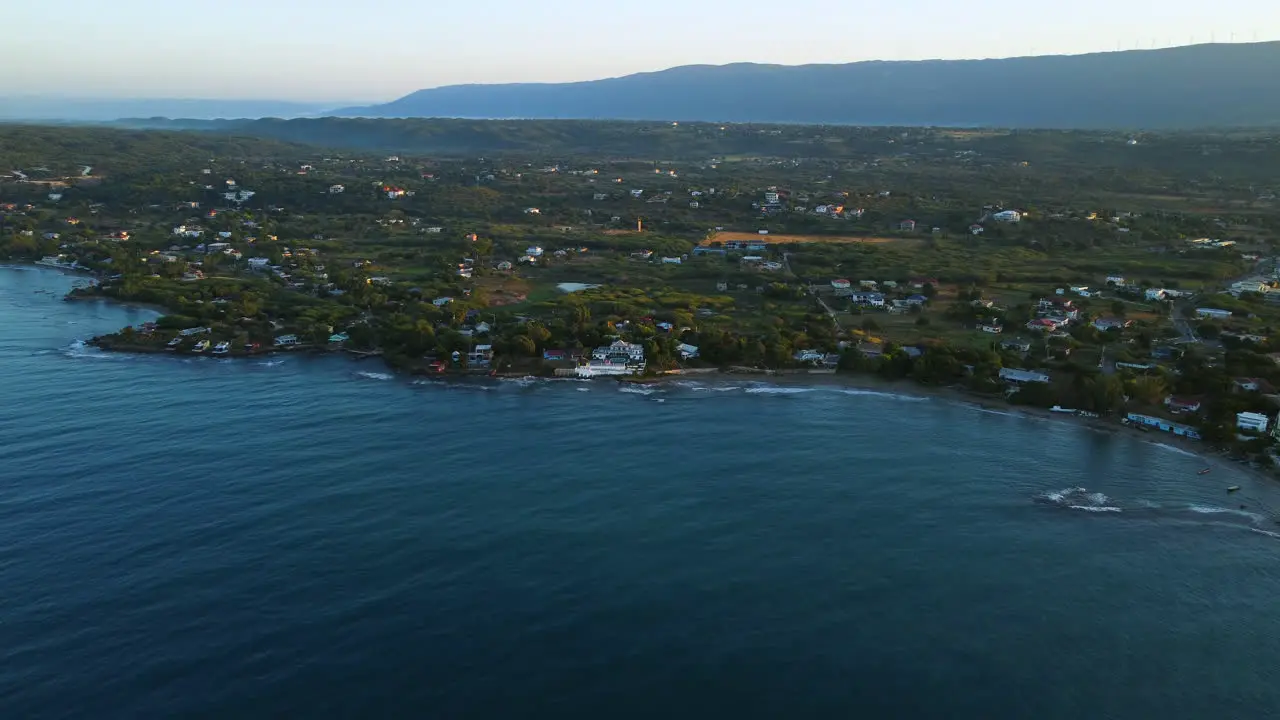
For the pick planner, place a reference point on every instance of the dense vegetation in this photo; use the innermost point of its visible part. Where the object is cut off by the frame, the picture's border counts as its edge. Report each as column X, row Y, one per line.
column 418, row 257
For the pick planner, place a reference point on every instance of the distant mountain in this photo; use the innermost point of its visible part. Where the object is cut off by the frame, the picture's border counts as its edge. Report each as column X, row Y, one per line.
column 101, row 110
column 1196, row 86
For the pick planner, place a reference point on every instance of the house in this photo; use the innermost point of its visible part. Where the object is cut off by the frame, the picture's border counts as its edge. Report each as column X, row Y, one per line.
column 504, row 265
column 841, row 284
column 1156, row 294
column 1181, row 405
column 1213, row 313
column 1046, row 324
column 600, row 196
column 809, row 356
column 1007, row 216
column 670, row 261
column 693, row 205
column 239, row 196
column 55, row 197
column 339, row 338
column 555, row 355
column 393, row 193
column 991, row 327
column 1249, row 384
column 871, row 350
column 287, row 341
column 772, row 198
column 1104, row 324
column 907, row 225
column 620, row 351
column 336, row 189
column 480, row 356
column 258, row 263
column 976, row 229
column 434, row 230
column 1162, row 424
column 532, row 211
column 873, row 299
column 1082, row 291
column 1244, row 286
column 687, row 352
column 1019, row 377
column 917, row 300
column 533, row 251
column 1017, row 345
column 1253, row 422
column 637, row 193
column 1117, row 280
column 919, row 283
column 188, row 231
column 441, row 301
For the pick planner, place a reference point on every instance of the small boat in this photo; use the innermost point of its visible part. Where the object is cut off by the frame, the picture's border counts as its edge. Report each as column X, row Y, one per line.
column 201, row 346
column 175, row 342
column 222, row 348
column 1233, row 488
column 1204, row 471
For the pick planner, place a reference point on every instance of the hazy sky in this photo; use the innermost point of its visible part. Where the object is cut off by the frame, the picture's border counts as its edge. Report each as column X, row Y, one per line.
column 344, row 50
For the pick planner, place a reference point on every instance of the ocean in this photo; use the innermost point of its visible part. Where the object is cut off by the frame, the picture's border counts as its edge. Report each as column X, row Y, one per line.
column 317, row 537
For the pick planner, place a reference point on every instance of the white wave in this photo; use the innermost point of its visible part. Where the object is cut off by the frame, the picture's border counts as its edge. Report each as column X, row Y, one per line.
column 777, row 390
column 1095, row 508
column 375, row 375
column 1060, row 495
column 81, row 350
column 1097, row 499
column 889, row 395
column 584, row 389
column 1268, row 533
column 526, row 381
column 634, row 390
column 989, row 411
column 271, row 363
column 1214, row 510
column 1177, row 450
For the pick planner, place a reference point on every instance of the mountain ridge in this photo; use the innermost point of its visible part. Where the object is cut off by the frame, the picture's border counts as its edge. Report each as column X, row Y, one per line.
column 1185, row 87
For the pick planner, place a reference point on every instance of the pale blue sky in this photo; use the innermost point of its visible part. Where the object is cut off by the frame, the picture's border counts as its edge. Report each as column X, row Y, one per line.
column 358, row 51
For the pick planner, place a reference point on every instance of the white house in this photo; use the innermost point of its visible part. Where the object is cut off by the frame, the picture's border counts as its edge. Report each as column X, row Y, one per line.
column 336, row 189
column 842, row 284
column 1256, row 422
column 1115, row 280
column 533, row 251
column 258, row 263
column 637, row 193
column 620, row 350
column 1007, row 216
column 532, row 211
column 670, row 261
column 991, row 327
column 1213, row 313
column 1156, row 293
column 771, row 198
column 188, row 231
column 1022, row 376
column 1245, row 286
column 55, row 197
column 239, row 196
column 441, row 301
column 687, row 352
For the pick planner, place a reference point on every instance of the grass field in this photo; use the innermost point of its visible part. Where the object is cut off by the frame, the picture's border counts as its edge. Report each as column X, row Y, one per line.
column 794, row 239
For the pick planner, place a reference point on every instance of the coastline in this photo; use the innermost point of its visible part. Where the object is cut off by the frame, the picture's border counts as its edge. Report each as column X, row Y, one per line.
column 781, row 378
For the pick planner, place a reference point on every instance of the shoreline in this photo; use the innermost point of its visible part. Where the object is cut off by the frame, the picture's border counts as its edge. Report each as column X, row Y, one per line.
column 781, row 378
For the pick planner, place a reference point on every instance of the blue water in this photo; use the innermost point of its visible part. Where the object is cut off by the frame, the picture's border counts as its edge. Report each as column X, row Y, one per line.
column 311, row 537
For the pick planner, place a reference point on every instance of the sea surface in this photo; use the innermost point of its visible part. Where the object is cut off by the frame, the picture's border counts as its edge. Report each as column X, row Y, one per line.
column 315, row 537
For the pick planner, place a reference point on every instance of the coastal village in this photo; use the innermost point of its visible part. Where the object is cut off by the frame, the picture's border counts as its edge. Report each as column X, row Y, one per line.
column 640, row 270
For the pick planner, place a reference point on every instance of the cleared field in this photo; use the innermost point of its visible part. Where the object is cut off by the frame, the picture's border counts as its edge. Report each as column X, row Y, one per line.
column 793, row 239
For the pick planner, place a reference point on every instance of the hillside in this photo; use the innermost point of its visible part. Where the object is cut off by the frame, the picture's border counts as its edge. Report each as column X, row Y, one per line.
column 1222, row 85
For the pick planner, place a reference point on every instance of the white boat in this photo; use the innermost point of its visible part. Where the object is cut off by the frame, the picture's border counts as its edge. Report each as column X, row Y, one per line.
column 222, row 348
column 201, row 346
column 175, row 342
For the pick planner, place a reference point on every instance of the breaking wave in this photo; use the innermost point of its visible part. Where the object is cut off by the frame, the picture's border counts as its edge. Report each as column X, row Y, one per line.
column 881, row 394
column 1078, row 498
column 80, row 349
column 375, row 375
column 1174, row 449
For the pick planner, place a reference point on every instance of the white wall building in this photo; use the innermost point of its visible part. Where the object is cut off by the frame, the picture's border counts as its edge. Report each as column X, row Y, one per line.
column 1007, row 216
column 1256, row 422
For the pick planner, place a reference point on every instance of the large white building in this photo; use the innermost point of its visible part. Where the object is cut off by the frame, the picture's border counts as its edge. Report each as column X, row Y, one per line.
column 1007, row 216
column 1256, row 422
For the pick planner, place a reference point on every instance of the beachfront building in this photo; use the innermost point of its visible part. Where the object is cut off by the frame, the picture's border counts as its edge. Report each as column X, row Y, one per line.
column 1253, row 422
column 1019, row 377
column 620, row 352
column 1164, row 425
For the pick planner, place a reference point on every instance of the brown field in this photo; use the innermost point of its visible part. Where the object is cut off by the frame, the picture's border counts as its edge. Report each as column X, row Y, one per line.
column 792, row 239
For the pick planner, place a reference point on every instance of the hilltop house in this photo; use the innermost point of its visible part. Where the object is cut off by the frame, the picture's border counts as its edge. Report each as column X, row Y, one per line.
column 907, row 225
